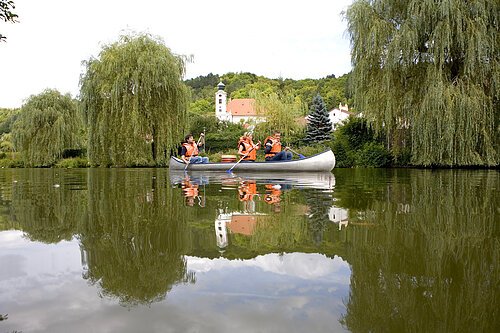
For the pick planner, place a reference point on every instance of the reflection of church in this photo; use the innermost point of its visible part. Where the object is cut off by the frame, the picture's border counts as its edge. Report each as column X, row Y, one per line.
column 237, row 223
column 339, row 216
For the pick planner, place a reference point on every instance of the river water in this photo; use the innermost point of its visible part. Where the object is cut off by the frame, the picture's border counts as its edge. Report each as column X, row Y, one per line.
column 145, row 250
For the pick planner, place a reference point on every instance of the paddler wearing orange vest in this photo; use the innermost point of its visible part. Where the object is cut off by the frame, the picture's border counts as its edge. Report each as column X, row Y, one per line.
column 273, row 149
column 247, row 149
column 189, row 153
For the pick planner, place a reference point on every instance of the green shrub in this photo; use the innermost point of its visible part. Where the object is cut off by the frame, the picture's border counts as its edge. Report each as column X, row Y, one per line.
column 11, row 163
column 373, row 155
column 344, row 157
column 73, row 162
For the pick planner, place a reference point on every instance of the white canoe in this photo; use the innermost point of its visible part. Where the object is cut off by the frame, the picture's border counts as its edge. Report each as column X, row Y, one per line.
column 324, row 161
column 316, row 180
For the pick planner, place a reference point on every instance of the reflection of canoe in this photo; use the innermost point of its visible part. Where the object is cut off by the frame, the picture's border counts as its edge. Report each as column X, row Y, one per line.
column 321, row 162
column 316, row 180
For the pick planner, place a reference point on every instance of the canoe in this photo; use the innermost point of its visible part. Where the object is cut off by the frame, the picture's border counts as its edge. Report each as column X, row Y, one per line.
column 324, row 161
column 301, row 180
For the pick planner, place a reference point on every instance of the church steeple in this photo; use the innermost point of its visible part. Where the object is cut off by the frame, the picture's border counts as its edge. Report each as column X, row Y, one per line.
column 221, row 103
column 221, row 86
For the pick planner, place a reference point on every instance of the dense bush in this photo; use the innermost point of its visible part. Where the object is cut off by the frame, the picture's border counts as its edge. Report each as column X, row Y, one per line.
column 373, row 154
column 69, row 163
column 11, row 160
column 356, row 144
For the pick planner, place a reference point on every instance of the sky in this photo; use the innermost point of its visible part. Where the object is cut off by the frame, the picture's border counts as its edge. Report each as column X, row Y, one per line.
column 273, row 38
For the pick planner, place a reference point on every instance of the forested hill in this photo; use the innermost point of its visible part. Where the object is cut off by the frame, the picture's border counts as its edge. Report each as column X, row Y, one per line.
column 239, row 85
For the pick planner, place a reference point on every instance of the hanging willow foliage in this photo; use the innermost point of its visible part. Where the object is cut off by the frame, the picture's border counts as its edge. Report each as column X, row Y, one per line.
column 281, row 113
column 431, row 69
column 48, row 123
column 135, row 102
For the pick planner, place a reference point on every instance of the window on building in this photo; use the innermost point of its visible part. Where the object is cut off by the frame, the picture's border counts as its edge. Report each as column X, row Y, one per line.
column 220, row 100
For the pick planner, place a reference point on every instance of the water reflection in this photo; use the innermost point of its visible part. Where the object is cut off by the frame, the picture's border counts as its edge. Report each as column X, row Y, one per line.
column 413, row 249
column 135, row 237
column 424, row 250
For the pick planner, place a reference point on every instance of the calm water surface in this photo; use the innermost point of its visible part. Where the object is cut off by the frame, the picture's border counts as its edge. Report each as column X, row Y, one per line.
column 145, row 250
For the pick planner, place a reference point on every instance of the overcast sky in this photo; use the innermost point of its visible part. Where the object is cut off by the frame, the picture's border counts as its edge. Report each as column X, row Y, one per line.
column 273, row 38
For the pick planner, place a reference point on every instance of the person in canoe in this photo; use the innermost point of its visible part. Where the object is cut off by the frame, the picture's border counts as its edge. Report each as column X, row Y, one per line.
column 273, row 149
column 189, row 152
column 190, row 190
column 247, row 149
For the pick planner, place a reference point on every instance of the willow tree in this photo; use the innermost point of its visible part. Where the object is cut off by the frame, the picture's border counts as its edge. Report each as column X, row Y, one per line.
column 47, row 124
column 428, row 72
column 135, row 102
column 281, row 113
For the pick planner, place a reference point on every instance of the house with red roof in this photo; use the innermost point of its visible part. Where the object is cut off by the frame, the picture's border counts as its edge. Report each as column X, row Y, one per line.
column 238, row 110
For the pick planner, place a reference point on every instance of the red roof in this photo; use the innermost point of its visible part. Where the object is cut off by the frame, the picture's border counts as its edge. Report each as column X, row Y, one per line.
column 242, row 224
column 242, row 107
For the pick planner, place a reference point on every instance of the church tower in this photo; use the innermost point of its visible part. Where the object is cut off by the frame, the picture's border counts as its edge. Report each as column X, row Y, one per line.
column 221, row 103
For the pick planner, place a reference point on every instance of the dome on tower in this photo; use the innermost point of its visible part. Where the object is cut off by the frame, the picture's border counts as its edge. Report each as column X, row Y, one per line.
column 221, row 86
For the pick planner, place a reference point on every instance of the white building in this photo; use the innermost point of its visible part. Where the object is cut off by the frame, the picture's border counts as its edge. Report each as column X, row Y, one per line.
column 237, row 110
column 338, row 216
column 221, row 230
column 337, row 116
column 220, row 103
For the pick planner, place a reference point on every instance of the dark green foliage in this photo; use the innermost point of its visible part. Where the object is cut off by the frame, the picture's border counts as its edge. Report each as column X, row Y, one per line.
column 319, row 125
column 201, row 81
column 356, row 144
column 225, row 138
column 6, row 14
column 344, row 156
column 356, row 131
column 74, row 152
column 373, row 155
column 208, row 123
column 47, row 124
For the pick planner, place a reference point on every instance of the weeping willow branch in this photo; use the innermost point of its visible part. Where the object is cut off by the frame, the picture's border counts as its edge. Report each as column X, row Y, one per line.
column 134, row 101
column 48, row 123
column 432, row 69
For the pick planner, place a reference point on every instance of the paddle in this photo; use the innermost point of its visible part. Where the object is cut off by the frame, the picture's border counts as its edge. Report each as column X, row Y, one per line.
column 242, row 157
column 197, row 143
column 300, row 155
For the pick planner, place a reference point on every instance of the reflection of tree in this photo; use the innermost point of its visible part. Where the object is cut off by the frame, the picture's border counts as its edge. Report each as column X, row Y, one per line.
column 434, row 267
column 44, row 208
column 357, row 188
column 319, row 203
column 135, row 236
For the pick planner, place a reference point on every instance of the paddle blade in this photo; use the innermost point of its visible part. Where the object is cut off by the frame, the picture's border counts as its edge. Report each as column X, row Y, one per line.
column 301, row 157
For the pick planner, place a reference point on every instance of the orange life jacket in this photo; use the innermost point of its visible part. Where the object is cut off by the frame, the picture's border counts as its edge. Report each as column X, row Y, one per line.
column 272, row 195
column 191, row 149
column 275, row 148
column 247, row 191
column 248, row 149
column 189, row 189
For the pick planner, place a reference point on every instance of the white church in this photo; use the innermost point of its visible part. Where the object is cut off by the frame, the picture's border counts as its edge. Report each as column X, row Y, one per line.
column 238, row 110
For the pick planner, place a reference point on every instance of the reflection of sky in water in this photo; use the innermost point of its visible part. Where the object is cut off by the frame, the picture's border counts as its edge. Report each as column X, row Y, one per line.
column 42, row 290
